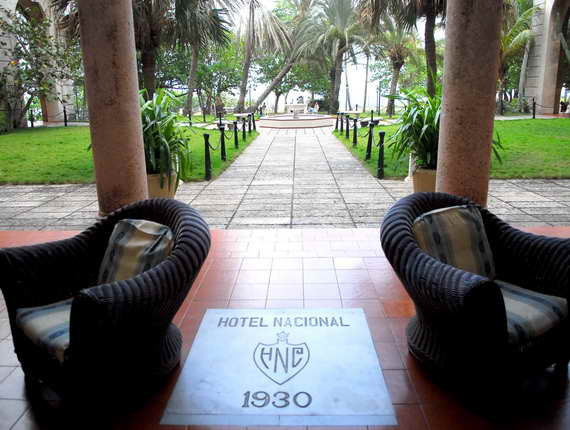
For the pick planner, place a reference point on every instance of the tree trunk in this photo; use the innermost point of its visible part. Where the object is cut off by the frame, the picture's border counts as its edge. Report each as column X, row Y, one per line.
column 248, row 54
column 276, row 81
column 393, row 86
column 277, row 95
column 348, row 104
column 366, row 83
column 192, row 80
column 148, row 60
column 431, row 59
column 335, row 87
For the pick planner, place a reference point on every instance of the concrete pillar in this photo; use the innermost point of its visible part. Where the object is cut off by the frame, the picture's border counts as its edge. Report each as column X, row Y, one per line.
column 107, row 38
column 469, row 86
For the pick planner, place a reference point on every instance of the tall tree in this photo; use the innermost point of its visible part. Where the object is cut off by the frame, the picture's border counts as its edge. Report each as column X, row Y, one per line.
column 395, row 43
column 260, row 30
column 36, row 61
column 408, row 12
column 339, row 31
column 199, row 25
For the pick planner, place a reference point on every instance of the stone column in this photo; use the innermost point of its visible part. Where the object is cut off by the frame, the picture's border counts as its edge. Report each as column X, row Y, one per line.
column 470, row 78
column 107, row 38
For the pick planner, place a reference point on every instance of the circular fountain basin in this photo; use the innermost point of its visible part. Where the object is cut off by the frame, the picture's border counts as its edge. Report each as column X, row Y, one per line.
column 302, row 120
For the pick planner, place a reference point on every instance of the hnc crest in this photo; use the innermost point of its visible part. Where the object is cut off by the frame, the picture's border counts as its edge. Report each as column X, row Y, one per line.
column 281, row 361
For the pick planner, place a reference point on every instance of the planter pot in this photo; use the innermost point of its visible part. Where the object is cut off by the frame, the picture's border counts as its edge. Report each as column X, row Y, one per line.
column 154, row 189
column 424, row 180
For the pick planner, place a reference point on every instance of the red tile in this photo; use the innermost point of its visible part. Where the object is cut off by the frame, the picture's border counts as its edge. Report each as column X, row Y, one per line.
column 7, row 354
column 226, row 263
column 410, row 417
column 398, row 327
column 359, row 291
column 319, row 276
column 246, row 304
column 286, row 292
column 372, row 307
column 399, row 308
column 380, row 330
column 286, row 277
column 198, row 309
column 214, row 292
column 455, row 415
column 400, row 387
column 287, row 264
column 13, row 387
column 216, row 277
column 10, row 412
column 250, row 292
column 349, row 263
column 321, row 291
column 389, row 356
column 256, row 264
column 318, row 263
column 253, row 277
column 351, row 276
column 324, row 303
column 9, row 238
column 284, row 304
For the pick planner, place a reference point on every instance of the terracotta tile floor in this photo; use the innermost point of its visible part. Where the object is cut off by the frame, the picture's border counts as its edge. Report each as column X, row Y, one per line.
column 305, row 268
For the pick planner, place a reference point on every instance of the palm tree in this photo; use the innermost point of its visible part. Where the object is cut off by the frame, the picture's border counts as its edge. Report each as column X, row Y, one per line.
column 408, row 12
column 199, row 25
column 516, row 34
column 339, row 32
column 395, row 43
column 260, row 30
column 302, row 33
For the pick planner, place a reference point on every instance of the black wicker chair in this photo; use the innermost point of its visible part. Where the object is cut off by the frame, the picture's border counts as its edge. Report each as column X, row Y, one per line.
column 121, row 335
column 460, row 324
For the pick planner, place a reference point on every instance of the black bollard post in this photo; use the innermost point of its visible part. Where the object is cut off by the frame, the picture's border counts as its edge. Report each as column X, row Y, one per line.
column 31, row 119
column 533, row 108
column 249, row 123
column 243, row 130
column 341, row 123
column 354, row 132
column 336, row 123
column 64, row 116
column 236, row 143
column 222, row 129
column 347, row 135
column 219, row 120
column 370, row 141
column 207, row 161
column 380, row 167
column 371, row 115
column 253, row 121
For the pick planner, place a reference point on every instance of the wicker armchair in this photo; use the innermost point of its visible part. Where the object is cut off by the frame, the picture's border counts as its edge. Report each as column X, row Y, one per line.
column 460, row 325
column 121, row 335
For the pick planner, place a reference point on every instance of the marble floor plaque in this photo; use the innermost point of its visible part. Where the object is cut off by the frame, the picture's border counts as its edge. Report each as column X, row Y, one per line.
column 281, row 367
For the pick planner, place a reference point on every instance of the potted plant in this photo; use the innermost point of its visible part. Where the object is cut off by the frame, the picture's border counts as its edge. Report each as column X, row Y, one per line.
column 166, row 149
column 418, row 136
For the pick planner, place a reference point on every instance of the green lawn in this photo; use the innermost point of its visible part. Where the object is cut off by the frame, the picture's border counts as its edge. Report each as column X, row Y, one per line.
column 532, row 149
column 60, row 155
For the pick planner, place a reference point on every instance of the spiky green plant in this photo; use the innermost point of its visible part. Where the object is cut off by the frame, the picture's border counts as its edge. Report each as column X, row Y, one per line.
column 418, row 133
column 166, row 150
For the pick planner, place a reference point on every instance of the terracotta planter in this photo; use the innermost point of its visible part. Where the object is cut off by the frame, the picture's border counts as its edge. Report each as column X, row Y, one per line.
column 154, row 189
column 424, row 180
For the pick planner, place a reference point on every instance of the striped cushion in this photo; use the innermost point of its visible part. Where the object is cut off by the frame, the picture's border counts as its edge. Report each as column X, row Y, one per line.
column 456, row 236
column 134, row 246
column 47, row 326
column 530, row 314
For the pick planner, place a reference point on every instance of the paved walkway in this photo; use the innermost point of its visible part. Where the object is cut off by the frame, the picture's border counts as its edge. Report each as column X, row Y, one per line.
column 285, row 179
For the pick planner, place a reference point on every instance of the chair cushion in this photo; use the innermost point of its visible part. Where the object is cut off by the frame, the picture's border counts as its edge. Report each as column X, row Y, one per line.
column 530, row 314
column 134, row 246
column 47, row 326
column 456, row 236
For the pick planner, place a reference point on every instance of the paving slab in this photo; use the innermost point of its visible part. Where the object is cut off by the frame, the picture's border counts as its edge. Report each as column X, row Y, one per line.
column 286, row 179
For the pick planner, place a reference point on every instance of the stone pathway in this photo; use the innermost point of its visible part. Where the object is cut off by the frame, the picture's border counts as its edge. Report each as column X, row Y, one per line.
column 300, row 178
